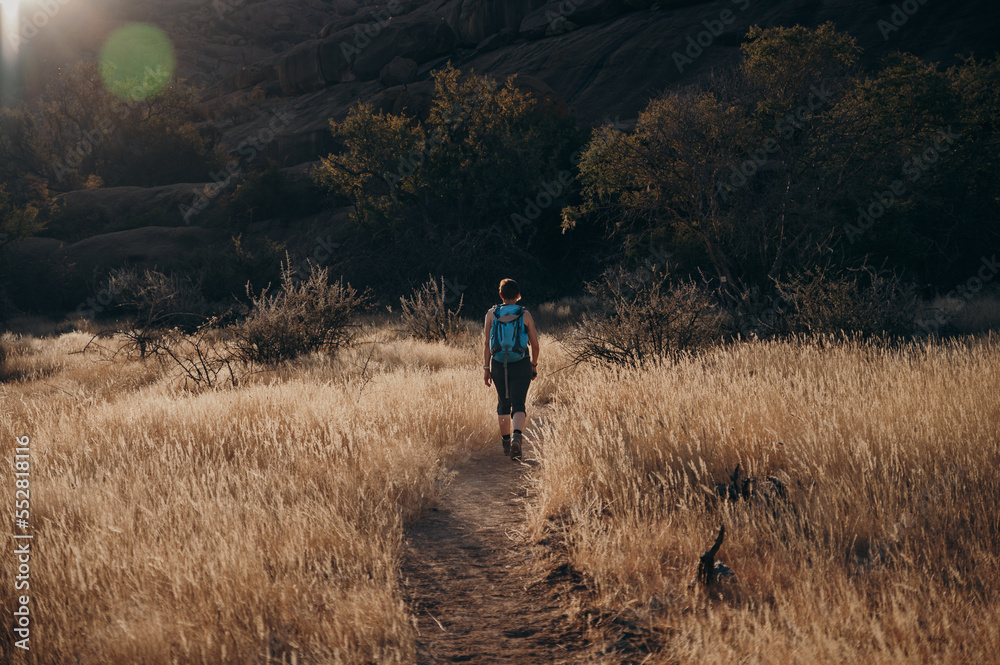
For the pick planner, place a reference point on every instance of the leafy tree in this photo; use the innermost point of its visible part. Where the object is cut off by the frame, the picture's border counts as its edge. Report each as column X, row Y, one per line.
column 451, row 192
column 761, row 172
column 725, row 165
column 88, row 130
column 19, row 145
column 17, row 222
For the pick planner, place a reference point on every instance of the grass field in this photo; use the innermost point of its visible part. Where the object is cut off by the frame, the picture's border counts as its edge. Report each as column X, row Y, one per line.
column 264, row 523
column 886, row 549
column 231, row 525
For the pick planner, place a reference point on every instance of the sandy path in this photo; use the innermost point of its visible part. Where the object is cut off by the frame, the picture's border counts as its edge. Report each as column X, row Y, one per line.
column 473, row 582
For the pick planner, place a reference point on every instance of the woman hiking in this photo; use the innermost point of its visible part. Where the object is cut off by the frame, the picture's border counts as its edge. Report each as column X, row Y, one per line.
column 508, row 336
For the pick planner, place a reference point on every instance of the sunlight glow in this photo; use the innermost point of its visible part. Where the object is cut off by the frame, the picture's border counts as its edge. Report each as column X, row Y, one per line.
column 9, row 14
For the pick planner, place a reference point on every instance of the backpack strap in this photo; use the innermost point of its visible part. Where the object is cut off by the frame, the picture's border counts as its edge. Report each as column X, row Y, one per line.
column 507, row 318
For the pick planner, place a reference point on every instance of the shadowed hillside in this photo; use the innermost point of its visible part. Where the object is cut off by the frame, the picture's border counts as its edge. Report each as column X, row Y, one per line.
column 268, row 77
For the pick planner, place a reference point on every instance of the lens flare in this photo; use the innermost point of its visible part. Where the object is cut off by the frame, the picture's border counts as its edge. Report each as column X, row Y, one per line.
column 137, row 61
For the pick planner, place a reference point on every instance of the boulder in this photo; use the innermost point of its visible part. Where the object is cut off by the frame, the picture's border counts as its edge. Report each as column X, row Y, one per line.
column 334, row 63
column 546, row 99
column 147, row 247
column 552, row 17
column 450, row 11
column 419, row 36
column 499, row 40
column 132, row 203
column 248, row 77
column 398, row 72
column 608, row 69
column 299, row 69
column 314, row 64
column 413, row 101
column 480, row 19
column 366, row 16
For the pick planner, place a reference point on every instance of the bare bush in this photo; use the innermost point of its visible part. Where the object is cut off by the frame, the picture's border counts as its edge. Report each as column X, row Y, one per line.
column 426, row 314
column 646, row 317
column 206, row 357
column 756, row 314
column 865, row 301
column 155, row 302
column 304, row 316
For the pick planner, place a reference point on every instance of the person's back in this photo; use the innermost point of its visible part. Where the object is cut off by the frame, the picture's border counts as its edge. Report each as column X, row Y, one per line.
column 508, row 337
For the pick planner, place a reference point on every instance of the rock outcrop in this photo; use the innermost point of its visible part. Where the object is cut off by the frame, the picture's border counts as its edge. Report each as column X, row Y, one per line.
column 361, row 51
column 479, row 19
column 399, row 71
column 146, row 247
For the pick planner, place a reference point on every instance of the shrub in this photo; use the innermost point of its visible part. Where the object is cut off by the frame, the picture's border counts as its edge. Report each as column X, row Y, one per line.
column 645, row 318
column 226, row 273
column 865, row 301
column 154, row 302
column 426, row 314
column 456, row 188
column 16, row 222
column 304, row 316
column 271, row 194
column 144, row 143
column 205, row 357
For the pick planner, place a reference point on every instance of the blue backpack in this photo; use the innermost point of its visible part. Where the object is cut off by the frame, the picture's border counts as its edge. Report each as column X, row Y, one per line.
column 508, row 336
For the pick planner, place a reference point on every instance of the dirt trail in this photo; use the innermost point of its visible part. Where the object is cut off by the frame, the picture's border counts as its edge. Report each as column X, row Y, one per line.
column 473, row 583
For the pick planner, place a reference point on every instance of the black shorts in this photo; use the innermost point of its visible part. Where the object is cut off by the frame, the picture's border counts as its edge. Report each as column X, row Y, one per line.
column 518, row 379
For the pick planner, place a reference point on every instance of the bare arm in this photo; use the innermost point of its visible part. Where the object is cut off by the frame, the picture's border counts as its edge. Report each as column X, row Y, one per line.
column 529, row 323
column 486, row 348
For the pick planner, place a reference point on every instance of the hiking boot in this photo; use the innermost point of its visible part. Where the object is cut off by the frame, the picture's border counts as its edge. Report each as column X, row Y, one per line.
column 506, row 447
column 515, row 447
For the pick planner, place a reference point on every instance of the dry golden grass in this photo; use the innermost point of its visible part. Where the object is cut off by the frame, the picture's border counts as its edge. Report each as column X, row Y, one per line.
column 264, row 523
column 240, row 525
column 887, row 549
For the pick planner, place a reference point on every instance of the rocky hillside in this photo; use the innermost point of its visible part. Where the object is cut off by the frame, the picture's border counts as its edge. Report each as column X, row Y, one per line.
column 603, row 59
column 276, row 71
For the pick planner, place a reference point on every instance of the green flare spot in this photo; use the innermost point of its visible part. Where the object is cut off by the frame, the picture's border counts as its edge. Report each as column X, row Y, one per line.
column 137, row 61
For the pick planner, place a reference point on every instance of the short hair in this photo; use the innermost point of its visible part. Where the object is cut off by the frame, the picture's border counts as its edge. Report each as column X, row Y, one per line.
column 509, row 289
